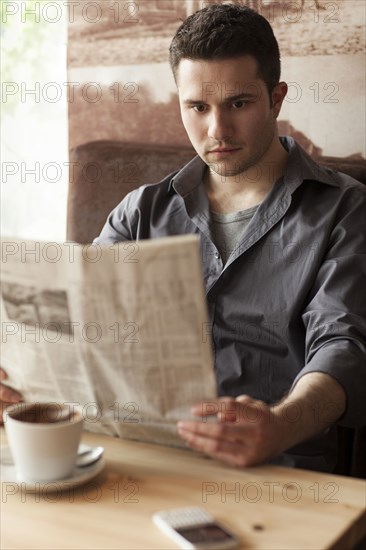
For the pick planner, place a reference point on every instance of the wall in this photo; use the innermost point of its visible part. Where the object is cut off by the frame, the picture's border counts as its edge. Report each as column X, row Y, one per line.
column 118, row 58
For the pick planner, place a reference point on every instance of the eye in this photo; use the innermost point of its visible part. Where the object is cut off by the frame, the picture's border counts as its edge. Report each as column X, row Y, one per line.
column 200, row 108
column 238, row 104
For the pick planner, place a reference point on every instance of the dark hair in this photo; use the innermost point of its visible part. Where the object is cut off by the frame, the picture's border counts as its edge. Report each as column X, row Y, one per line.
column 223, row 31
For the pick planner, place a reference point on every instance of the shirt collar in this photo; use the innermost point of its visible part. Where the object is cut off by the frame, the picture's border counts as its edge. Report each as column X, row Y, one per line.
column 300, row 167
column 188, row 178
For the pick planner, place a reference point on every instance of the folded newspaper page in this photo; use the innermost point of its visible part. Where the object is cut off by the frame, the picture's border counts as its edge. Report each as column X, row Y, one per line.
column 121, row 330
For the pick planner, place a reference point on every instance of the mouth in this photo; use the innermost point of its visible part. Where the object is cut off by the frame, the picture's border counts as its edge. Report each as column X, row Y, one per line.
column 223, row 151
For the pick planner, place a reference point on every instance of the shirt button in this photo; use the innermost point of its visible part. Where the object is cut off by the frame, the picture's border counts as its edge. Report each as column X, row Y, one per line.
column 217, row 255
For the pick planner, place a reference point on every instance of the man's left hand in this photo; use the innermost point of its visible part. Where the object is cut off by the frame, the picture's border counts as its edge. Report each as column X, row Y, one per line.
column 245, row 433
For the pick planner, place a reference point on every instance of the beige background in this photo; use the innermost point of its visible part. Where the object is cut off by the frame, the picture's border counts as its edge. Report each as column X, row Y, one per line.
column 122, row 47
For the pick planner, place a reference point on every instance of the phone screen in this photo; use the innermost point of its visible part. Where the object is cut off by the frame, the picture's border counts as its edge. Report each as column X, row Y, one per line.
column 205, row 533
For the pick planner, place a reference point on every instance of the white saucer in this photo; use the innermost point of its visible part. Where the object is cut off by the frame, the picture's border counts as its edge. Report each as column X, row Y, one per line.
column 79, row 477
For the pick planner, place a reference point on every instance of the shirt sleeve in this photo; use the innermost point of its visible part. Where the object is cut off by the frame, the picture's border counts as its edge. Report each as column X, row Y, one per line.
column 118, row 227
column 335, row 316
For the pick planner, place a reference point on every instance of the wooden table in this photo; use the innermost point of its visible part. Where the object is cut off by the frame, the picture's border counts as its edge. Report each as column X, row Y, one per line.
column 267, row 506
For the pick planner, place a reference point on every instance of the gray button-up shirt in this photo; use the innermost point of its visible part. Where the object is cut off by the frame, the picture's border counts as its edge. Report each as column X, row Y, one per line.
column 291, row 297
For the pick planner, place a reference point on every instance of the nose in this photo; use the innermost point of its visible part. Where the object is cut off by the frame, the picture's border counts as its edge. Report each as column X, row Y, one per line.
column 220, row 128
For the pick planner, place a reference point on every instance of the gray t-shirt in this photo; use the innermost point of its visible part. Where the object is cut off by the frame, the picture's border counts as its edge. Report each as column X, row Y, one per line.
column 228, row 229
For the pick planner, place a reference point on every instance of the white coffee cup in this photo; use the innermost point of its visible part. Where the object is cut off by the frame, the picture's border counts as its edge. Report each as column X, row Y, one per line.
column 43, row 439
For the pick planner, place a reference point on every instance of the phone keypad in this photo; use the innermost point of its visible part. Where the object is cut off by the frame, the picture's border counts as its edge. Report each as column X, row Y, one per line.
column 185, row 517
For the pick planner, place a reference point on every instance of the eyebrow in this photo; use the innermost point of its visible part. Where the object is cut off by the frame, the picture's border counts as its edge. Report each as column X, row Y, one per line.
column 228, row 98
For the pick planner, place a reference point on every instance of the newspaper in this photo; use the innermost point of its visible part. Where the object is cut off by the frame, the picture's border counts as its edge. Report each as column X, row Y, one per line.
column 121, row 330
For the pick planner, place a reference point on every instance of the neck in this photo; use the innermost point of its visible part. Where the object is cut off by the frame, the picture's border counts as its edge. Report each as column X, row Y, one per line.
column 247, row 188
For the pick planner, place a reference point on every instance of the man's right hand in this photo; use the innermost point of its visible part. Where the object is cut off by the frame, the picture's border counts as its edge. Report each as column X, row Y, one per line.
column 8, row 396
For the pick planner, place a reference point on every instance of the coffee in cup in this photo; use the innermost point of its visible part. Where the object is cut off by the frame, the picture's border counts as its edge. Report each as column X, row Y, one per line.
column 43, row 439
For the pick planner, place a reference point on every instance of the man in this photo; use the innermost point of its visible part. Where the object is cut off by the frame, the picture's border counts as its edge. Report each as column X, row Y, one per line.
column 281, row 242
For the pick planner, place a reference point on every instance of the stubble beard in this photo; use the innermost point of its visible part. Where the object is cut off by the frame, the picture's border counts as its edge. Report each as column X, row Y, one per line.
column 227, row 169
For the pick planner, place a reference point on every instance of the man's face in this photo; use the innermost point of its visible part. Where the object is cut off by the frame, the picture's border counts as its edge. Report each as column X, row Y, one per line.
column 227, row 113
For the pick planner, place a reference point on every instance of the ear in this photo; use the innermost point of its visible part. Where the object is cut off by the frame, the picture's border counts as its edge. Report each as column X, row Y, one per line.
column 278, row 95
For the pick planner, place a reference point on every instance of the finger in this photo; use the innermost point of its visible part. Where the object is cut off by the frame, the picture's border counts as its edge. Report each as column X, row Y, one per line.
column 239, row 459
column 9, row 395
column 3, row 406
column 3, row 375
column 234, row 410
column 243, row 398
column 236, row 452
column 212, row 407
column 231, row 452
column 230, row 411
column 251, row 410
column 215, row 430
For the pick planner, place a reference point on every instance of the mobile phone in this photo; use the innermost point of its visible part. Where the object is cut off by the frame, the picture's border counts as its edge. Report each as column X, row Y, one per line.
column 194, row 528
